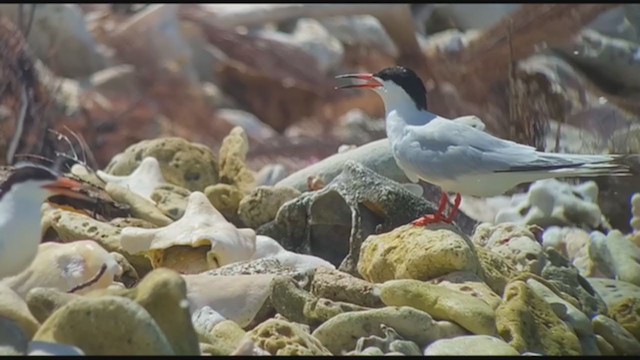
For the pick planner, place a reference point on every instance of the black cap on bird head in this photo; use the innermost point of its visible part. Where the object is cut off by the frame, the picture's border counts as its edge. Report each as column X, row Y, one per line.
column 409, row 81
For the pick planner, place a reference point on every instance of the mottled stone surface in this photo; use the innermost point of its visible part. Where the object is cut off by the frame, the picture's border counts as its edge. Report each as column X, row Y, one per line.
column 279, row 337
column 189, row 165
column 96, row 325
column 262, row 204
column 340, row 286
column 622, row 341
column 415, row 253
column 528, row 323
column 465, row 310
column 340, row 333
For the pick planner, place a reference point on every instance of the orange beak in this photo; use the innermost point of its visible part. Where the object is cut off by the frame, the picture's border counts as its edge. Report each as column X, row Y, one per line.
column 67, row 187
column 371, row 82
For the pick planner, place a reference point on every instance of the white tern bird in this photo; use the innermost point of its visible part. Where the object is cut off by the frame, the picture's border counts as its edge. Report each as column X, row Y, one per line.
column 458, row 157
column 21, row 198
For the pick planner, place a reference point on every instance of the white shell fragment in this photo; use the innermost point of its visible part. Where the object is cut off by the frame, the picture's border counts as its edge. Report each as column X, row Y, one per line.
column 201, row 225
column 142, row 181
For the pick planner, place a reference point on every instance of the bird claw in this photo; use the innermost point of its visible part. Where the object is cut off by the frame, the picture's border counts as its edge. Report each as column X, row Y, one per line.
column 438, row 216
column 428, row 219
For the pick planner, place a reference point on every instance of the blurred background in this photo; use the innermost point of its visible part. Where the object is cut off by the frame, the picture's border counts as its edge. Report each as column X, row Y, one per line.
column 560, row 77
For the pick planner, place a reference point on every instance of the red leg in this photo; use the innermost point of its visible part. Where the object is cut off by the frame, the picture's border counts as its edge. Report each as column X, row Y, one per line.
column 454, row 211
column 438, row 216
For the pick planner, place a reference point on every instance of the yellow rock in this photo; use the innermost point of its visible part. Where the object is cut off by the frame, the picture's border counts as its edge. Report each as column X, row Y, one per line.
column 280, row 337
column 627, row 314
column 467, row 311
column 225, row 337
column 528, row 323
column 411, row 252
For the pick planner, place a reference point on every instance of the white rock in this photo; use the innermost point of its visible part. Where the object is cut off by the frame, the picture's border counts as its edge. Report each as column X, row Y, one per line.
column 551, row 202
column 142, row 181
column 471, row 345
column 236, row 297
column 205, row 318
column 616, row 256
column 64, row 266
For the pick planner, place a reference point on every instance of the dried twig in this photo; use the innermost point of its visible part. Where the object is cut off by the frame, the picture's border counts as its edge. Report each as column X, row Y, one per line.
column 91, row 281
column 27, row 30
column 15, row 139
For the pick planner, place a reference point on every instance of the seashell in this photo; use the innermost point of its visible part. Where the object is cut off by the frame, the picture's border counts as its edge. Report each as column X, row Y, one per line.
column 201, row 239
column 79, row 267
column 142, row 181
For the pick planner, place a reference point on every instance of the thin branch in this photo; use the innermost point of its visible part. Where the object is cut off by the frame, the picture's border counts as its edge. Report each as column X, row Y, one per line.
column 91, row 281
column 15, row 140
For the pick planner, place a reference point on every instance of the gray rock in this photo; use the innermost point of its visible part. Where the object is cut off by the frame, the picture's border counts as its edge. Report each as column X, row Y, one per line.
column 614, row 59
column 303, row 307
column 13, row 341
column 375, row 155
column 332, row 223
column 262, row 266
column 566, row 278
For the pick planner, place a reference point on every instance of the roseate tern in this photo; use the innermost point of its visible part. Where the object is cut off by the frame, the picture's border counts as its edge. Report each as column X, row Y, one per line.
column 459, row 157
column 21, row 198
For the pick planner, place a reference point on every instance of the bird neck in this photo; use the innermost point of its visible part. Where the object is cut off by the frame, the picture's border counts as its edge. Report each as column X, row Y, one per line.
column 23, row 204
column 402, row 112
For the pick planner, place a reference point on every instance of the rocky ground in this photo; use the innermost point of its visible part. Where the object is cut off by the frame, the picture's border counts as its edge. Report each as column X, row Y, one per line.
column 206, row 260
column 241, row 207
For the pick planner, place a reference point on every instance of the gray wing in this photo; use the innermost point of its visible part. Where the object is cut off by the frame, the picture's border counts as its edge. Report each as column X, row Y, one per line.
column 447, row 149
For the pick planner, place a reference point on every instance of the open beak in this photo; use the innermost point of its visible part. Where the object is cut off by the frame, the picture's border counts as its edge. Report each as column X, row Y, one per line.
column 66, row 187
column 371, row 82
